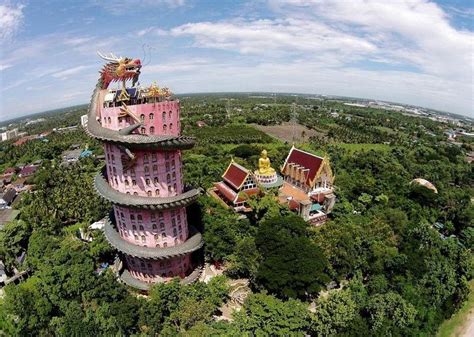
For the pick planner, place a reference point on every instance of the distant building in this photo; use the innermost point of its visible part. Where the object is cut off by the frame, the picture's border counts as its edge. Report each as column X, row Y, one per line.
column 9, row 134
column 71, row 156
column 28, row 170
column 66, row 129
column 7, row 198
column 236, row 186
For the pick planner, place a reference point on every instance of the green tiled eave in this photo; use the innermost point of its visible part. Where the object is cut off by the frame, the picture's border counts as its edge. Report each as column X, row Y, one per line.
column 156, row 203
column 193, row 243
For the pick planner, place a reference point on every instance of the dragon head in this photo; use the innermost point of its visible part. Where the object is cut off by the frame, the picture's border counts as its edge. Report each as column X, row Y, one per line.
column 119, row 69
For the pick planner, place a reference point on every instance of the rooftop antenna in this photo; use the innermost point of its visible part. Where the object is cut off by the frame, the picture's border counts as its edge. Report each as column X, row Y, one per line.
column 294, row 120
column 227, row 108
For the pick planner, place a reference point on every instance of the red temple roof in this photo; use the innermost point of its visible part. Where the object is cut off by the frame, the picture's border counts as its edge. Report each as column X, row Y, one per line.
column 235, row 175
column 293, row 205
column 226, row 191
column 305, row 159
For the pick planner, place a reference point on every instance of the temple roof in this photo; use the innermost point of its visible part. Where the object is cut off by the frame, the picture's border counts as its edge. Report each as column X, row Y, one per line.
column 226, row 191
column 107, row 192
column 306, row 160
column 193, row 243
column 235, row 175
column 233, row 196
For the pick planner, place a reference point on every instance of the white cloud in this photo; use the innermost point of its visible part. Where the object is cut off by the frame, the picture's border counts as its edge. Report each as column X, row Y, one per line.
column 315, row 77
column 414, row 31
column 11, row 18
column 64, row 74
column 121, row 7
column 411, row 40
column 281, row 36
column 5, row 66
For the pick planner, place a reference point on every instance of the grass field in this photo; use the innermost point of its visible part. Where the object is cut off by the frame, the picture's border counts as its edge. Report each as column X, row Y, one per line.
column 457, row 325
column 287, row 132
column 364, row 147
column 385, row 129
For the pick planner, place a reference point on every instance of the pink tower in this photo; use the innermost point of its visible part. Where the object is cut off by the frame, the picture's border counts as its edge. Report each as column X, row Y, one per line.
column 143, row 178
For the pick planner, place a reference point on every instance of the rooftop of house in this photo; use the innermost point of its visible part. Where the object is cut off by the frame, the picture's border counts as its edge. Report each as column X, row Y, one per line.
column 28, row 170
column 10, row 170
column 9, row 196
column 70, row 155
column 7, row 215
column 235, row 175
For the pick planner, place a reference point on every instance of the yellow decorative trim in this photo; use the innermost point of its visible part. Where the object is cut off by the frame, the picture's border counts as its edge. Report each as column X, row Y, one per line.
column 324, row 165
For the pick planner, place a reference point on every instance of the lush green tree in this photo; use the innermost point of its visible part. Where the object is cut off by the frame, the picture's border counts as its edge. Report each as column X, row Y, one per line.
column 13, row 240
column 334, row 313
column 292, row 265
column 245, row 260
column 27, row 308
column 265, row 315
column 390, row 313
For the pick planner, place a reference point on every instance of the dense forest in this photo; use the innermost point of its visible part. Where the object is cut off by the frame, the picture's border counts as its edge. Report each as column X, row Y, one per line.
column 378, row 267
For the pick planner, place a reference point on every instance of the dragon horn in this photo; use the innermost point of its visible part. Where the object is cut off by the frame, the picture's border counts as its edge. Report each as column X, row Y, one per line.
column 112, row 57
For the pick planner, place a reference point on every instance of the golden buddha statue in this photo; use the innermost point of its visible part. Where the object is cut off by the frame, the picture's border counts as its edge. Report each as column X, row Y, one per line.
column 264, row 166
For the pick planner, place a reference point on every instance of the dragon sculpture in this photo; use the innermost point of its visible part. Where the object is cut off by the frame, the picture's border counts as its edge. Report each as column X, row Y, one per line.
column 123, row 69
column 119, row 69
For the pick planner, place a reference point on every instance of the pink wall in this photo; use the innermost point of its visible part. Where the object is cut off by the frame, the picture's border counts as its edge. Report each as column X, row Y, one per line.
column 154, row 270
column 159, row 118
column 152, row 228
column 154, row 172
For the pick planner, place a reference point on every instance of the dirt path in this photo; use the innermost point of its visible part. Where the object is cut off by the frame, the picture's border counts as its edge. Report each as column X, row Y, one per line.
column 467, row 329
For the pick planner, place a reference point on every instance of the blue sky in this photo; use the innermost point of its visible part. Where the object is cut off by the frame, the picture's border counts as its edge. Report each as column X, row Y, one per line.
column 415, row 51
